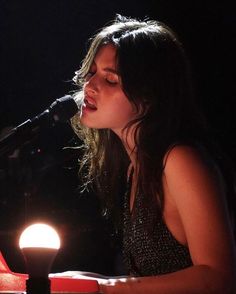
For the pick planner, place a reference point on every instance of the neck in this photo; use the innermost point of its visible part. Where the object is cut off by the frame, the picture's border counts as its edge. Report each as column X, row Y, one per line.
column 128, row 139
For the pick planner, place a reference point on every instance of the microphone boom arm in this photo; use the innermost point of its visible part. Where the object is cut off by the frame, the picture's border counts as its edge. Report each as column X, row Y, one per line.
column 61, row 109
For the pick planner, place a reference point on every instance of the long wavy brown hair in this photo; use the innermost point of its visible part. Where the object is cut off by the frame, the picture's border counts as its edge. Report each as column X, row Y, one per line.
column 156, row 78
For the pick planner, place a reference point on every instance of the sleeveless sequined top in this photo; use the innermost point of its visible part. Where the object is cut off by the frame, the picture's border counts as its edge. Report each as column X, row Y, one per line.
column 149, row 248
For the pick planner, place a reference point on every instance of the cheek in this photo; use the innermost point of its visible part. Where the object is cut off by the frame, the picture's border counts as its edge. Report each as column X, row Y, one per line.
column 118, row 107
column 123, row 102
column 126, row 111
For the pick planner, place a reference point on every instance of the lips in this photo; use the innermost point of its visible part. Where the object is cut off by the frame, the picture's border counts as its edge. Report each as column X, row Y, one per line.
column 90, row 103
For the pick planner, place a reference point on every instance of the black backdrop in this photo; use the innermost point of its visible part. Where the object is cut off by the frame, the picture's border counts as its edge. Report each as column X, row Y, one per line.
column 42, row 43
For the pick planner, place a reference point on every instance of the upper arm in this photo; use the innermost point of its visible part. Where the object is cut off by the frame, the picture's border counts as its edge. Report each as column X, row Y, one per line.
column 199, row 198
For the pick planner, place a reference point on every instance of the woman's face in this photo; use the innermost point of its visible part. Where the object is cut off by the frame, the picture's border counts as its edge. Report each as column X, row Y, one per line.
column 105, row 104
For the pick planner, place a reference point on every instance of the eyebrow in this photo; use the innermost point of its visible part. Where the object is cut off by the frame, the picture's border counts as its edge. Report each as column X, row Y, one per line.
column 108, row 69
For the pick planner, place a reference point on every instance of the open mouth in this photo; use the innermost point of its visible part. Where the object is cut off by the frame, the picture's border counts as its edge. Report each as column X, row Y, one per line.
column 89, row 104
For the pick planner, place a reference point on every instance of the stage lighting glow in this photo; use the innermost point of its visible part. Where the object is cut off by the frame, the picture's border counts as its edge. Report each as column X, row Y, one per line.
column 40, row 236
column 39, row 244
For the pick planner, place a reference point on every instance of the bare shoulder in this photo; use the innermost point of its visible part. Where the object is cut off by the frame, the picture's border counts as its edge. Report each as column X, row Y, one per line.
column 185, row 163
column 183, row 154
column 199, row 198
column 193, row 181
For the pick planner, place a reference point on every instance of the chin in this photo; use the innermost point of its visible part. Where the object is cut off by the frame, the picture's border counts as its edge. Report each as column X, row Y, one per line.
column 88, row 124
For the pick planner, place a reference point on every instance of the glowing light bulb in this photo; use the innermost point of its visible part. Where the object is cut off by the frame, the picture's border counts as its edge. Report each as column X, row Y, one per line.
column 39, row 244
column 39, row 235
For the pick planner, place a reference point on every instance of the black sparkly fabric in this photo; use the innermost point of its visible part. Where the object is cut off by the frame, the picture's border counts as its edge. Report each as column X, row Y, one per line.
column 149, row 248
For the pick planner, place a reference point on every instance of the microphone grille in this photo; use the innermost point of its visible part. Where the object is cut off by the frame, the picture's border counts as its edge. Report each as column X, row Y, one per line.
column 63, row 108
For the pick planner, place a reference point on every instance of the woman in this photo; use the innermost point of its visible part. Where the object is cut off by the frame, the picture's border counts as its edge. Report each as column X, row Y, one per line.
column 143, row 132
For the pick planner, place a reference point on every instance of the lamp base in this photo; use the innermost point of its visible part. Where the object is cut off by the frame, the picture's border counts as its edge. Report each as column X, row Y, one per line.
column 38, row 286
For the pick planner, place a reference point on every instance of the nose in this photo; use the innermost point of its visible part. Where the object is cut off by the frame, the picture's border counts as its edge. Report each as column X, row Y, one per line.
column 91, row 86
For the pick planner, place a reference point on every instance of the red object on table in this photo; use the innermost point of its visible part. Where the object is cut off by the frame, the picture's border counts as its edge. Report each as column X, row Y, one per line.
column 15, row 282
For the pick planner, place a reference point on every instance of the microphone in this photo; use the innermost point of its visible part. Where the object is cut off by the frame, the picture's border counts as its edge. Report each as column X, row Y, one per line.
column 61, row 110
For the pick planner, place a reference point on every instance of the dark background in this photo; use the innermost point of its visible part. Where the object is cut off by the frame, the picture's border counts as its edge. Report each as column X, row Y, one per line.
column 42, row 43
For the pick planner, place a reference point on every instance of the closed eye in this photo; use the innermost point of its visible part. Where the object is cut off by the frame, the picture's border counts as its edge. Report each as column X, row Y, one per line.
column 111, row 82
column 112, row 78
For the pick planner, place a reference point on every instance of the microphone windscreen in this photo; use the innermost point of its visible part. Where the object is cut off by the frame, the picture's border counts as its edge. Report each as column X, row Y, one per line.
column 63, row 108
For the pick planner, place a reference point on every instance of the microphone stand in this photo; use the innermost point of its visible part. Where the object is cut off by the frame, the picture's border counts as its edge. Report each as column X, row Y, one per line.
column 60, row 110
column 18, row 136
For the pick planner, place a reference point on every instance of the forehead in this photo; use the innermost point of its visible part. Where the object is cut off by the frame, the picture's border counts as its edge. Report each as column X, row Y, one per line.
column 106, row 56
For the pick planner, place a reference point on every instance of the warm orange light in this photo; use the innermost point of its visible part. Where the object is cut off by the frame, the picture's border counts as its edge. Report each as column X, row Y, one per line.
column 40, row 236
